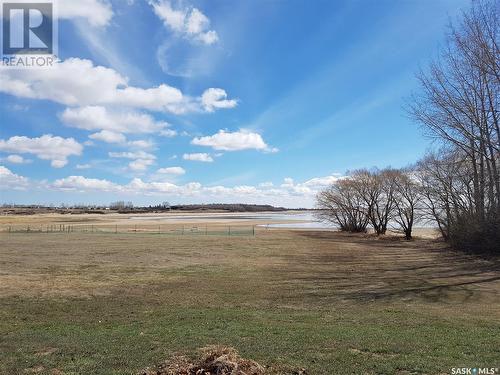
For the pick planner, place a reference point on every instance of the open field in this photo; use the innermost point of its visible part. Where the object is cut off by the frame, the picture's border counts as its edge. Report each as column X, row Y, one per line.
column 221, row 223
column 174, row 218
column 168, row 222
column 81, row 303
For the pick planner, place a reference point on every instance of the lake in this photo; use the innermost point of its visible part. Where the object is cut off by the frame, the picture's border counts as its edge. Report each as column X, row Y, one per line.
column 287, row 219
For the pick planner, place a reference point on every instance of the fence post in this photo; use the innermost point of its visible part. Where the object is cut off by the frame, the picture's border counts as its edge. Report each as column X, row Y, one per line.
column 229, row 230
column 183, row 230
column 116, row 228
column 159, row 229
column 253, row 230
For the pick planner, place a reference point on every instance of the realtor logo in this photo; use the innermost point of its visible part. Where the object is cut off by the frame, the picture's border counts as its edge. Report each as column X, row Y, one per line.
column 29, row 34
column 28, row 28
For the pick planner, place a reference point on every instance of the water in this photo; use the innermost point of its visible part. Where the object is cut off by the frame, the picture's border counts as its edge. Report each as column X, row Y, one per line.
column 291, row 220
column 303, row 220
column 308, row 225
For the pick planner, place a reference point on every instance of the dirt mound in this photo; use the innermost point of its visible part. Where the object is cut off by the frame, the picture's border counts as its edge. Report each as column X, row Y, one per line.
column 213, row 360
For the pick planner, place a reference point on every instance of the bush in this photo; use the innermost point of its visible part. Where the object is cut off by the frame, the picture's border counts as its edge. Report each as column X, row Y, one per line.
column 469, row 234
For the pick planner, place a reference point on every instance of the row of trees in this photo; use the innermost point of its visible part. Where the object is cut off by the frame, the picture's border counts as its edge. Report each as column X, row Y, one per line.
column 376, row 198
column 121, row 205
column 457, row 187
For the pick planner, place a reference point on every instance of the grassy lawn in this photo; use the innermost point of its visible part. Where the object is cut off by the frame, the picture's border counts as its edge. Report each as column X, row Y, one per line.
column 330, row 303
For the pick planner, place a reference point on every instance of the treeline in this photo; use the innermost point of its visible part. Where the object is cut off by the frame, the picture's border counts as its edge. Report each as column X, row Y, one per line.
column 128, row 207
column 226, row 207
column 375, row 198
column 458, row 187
column 125, row 207
column 229, row 207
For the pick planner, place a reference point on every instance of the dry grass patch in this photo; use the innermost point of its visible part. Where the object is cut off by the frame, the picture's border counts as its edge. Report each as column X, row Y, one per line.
column 213, row 360
column 331, row 303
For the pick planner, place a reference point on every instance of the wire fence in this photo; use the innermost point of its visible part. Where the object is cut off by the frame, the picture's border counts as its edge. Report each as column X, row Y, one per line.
column 181, row 230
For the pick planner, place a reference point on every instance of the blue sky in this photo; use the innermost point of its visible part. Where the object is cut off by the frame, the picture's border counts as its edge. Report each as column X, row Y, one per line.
column 216, row 101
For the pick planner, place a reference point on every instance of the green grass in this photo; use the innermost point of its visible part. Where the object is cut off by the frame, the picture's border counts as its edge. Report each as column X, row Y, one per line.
column 285, row 300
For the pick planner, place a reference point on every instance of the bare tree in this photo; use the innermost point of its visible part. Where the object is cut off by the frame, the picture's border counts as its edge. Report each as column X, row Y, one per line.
column 407, row 200
column 342, row 205
column 459, row 106
column 121, row 205
column 376, row 188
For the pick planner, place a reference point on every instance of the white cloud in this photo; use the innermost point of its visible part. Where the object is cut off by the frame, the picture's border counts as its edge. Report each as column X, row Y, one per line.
column 140, row 165
column 209, row 37
column 96, row 12
column 100, row 118
column 73, row 82
column 150, row 188
column 198, row 157
column 112, row 124
column 16, row 159
column 83, row 166
column 58, row 163
column 311, row 186
column 10, row 180
column 187, row 22
column 287, row 182
column 236, row 141
column 289, row 193
column 197, row 22
column 132, row 155
column 321, row 182
column 142, row 160
column 141, row 143
column 108, row 137
column 46, row 147
column 266, row 184
column 169, row 133
column 178, row 171
column 18, row 107
column 214, row 98
column 85, row 184
column 174, row 19
column 77, row 82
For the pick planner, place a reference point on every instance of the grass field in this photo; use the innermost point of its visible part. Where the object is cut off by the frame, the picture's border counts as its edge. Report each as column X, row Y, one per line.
column 82, row 303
